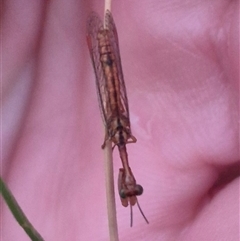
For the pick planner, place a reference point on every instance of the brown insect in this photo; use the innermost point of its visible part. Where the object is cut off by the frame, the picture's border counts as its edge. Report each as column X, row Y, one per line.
column 104, row 50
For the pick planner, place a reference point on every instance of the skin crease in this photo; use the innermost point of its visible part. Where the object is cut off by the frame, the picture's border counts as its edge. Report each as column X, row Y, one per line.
column 181, row 66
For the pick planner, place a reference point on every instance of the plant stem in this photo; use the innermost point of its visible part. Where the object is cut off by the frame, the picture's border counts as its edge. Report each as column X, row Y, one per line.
column 18, row 213
column 109, row 179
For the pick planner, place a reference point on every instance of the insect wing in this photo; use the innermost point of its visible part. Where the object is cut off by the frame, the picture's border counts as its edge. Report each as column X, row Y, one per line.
column 113, row 37
column 94, row 27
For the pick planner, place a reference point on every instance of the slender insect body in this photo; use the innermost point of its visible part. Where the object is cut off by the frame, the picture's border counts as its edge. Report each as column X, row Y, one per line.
column 118, row 125
column 112, row 96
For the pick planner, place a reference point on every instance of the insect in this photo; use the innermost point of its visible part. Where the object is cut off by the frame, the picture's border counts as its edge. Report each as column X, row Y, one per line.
column 104, row 51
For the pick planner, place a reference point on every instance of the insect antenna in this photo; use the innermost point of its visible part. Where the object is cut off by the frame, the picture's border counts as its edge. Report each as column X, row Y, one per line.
column 131, row 216
column 142, row 212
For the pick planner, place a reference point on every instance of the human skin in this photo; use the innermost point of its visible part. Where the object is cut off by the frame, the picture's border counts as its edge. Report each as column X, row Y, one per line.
column 181, row 66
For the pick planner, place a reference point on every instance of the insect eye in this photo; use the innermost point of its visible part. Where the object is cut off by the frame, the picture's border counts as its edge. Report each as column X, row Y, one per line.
column 122, row 194
column 139, row 190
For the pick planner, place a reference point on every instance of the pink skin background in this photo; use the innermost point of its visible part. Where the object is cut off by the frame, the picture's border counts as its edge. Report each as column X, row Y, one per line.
column 181, row 66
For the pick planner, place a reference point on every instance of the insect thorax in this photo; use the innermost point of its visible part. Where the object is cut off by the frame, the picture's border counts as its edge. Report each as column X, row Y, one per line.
column 119, row 130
